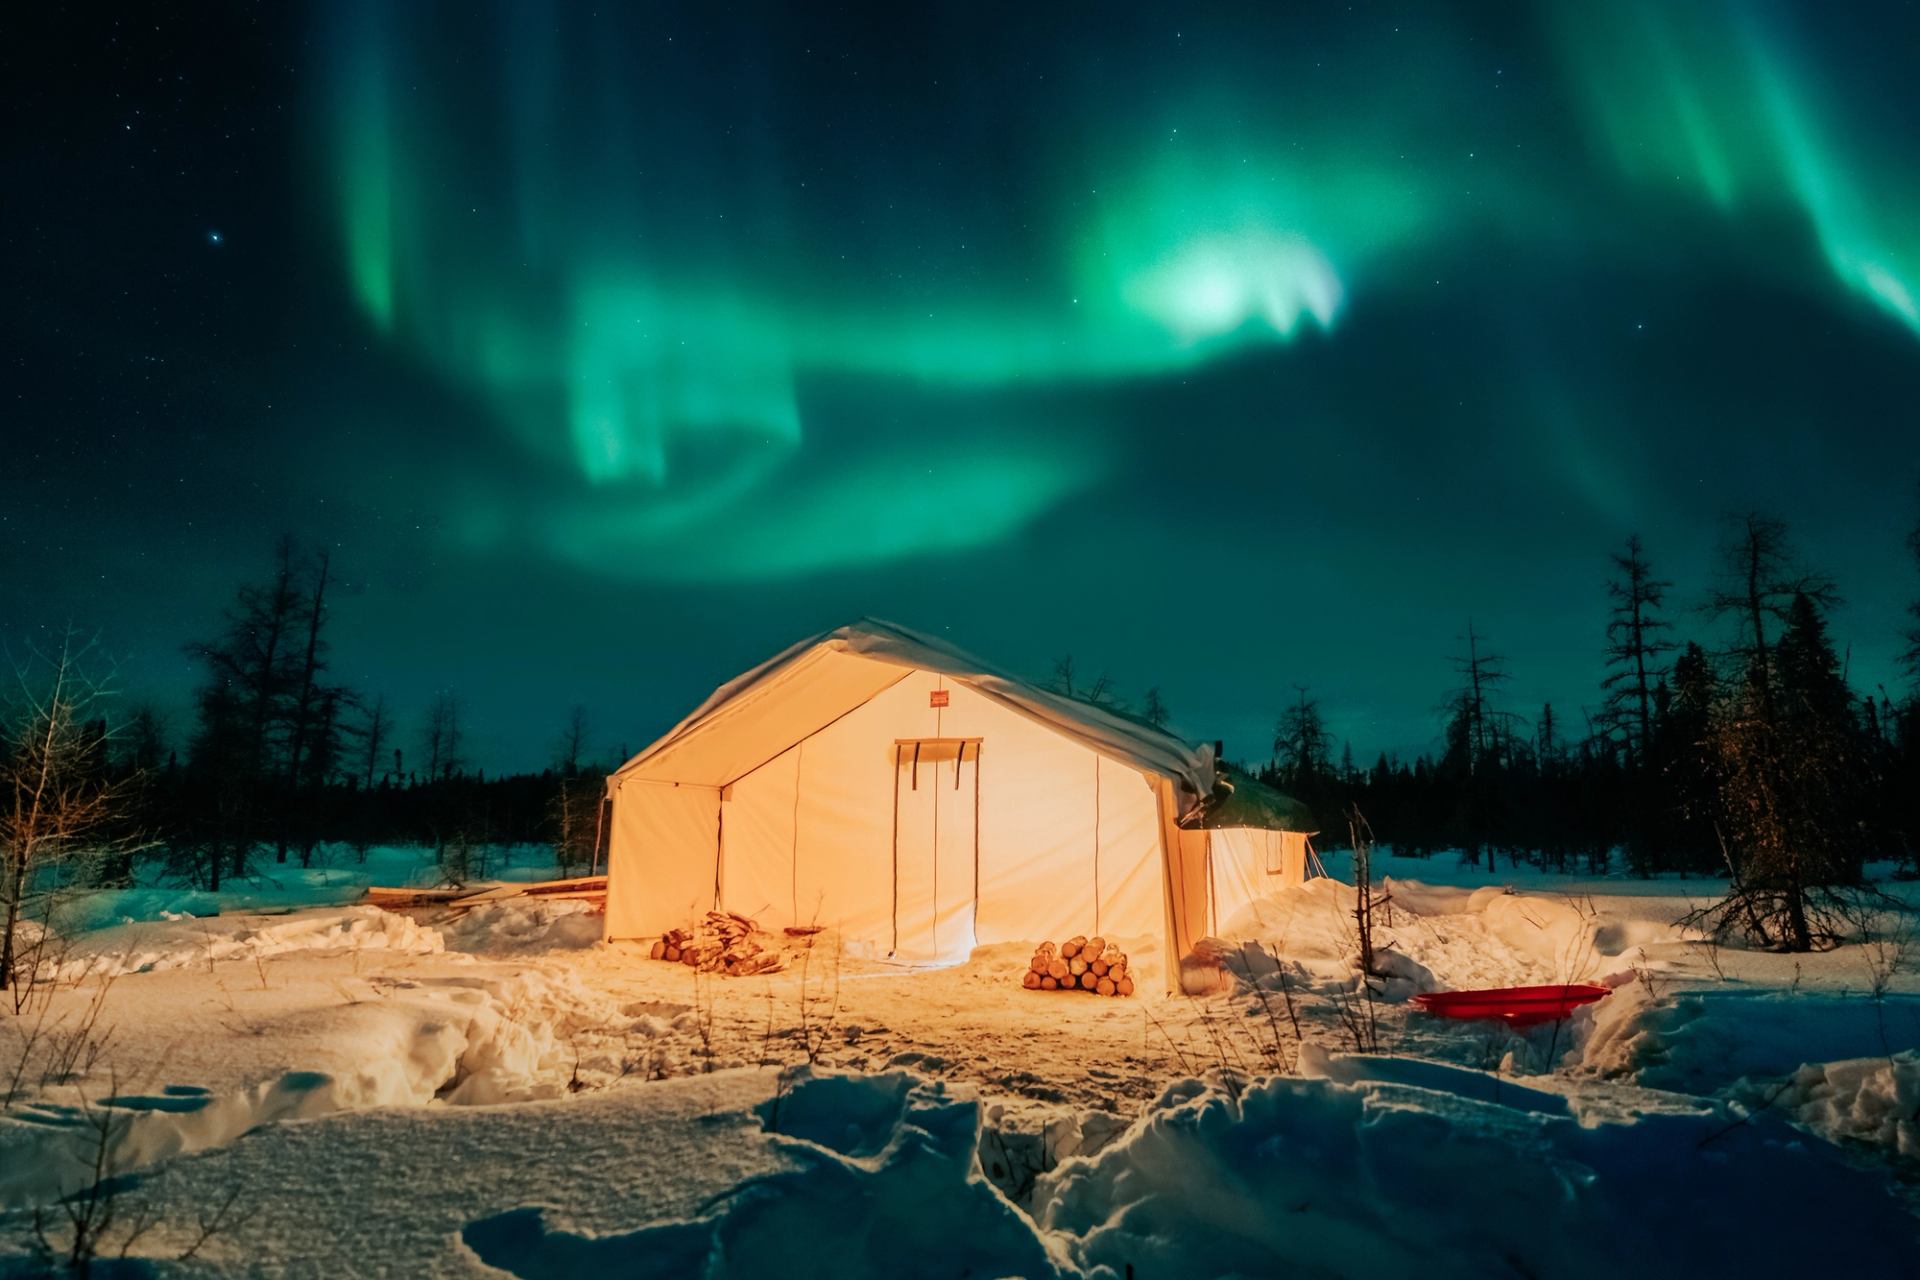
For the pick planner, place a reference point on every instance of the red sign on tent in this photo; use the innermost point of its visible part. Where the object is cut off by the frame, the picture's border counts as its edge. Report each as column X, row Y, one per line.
column 937, row 698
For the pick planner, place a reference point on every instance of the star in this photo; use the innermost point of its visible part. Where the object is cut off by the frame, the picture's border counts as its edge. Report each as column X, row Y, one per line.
column 216, row 238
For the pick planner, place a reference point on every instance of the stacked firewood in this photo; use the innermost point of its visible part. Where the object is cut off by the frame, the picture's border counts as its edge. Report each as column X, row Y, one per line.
column 1079, row 964
column 723, row 942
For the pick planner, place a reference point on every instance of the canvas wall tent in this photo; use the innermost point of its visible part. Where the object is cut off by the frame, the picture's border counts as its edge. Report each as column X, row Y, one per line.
column 882, row 783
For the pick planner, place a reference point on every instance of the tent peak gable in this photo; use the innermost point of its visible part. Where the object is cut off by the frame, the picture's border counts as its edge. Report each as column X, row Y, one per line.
column 799, row 691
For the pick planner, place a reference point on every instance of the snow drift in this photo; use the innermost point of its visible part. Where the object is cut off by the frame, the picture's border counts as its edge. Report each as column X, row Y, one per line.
column 1323, row 1176
column 884, row 1183
column 455, row 1040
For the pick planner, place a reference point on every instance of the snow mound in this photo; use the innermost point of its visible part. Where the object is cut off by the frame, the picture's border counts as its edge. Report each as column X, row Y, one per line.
column 1373, row 1168
column 1871, row 1101
column 1701, row 1041
column 1427, row 938
column 524, row 925
column 885, row 1183
column 1362, row 1177
column 455, row 1040
column 177, row 944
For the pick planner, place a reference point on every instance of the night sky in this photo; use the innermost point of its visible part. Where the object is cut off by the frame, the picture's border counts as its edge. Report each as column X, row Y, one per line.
column 1227, row 348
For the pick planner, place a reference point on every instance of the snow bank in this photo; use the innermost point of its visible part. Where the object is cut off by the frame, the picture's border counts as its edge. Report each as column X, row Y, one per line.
column 1378, row 1167
column 514, row 926
column 1429, row 938
column 1872, row 1101
column 176, row 944
column 1379, row 1177
column 455, row 1040
column 885, row 1183
column 524, row 925
column 1701, row 1041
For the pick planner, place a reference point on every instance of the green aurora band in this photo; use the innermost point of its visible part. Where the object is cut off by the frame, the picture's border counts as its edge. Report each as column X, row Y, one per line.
column 1710, row 98
column 632, row 274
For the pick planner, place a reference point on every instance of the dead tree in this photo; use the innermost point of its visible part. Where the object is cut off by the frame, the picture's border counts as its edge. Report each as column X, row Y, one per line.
column 308, row 697
column 1301, row 744
column 1478, row 735
column 1360, row 831
column 572, row 746
column 441, row 738
column 372, row 732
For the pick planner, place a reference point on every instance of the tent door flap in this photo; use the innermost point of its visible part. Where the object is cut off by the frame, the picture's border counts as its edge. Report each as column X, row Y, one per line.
column 936, row 833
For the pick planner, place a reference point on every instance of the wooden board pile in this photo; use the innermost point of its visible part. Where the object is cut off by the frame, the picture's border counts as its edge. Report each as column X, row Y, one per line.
column 1079, row 964
column 723, row 942
column 459, row 900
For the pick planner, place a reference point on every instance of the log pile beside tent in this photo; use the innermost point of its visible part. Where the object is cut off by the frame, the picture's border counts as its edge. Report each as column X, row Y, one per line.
column 1080, row 964
column 882, row 784
column 724, row 942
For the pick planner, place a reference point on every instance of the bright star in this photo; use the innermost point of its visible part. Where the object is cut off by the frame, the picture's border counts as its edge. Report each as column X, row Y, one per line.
column 215, row 238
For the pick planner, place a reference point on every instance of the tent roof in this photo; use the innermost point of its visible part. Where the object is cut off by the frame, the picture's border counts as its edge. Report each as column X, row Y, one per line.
column 793, row 695
column 1242, row 800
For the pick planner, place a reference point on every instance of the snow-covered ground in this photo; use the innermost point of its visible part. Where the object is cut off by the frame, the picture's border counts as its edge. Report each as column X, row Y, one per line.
column 498, row 1092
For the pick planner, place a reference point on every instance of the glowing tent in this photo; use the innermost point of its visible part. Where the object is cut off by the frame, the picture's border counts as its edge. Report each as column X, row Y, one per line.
column 881, row 783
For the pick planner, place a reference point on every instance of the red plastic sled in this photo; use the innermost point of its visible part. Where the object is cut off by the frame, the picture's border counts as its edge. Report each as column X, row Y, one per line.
column 1516, row 1006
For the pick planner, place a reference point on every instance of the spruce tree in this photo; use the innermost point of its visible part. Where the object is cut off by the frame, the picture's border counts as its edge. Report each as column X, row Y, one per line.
column 1910, row 656
column 1791, row 797
column 1636, row 648
column 240, row 709
column 1684, row 766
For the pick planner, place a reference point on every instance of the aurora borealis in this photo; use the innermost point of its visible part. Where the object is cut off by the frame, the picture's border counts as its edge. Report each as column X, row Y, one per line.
column 1228, row 347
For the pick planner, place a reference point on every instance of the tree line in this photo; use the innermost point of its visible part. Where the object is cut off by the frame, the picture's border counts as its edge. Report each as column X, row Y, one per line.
column 1739, row 751
column 280, row 757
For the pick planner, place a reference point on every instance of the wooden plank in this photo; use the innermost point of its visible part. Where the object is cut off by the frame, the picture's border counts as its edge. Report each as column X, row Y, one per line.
column 391, row 896
column 577, row 888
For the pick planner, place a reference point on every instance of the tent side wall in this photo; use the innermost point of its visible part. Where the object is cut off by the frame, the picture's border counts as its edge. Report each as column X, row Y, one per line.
column 662, row 857
column 1245, row 863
